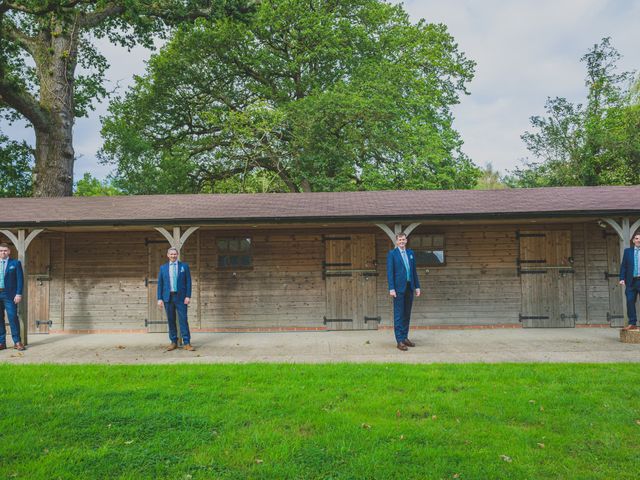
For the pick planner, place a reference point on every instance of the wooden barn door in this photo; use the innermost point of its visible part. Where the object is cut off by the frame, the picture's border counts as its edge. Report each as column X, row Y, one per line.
column 156, row 321
column 350, row 275
column 546, row 276
column 38, row 281
column 615, row 316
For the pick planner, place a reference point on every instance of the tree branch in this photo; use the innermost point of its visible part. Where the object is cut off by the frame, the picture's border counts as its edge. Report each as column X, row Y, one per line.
column 24, row 103
column 93, row 19
column 13, row 33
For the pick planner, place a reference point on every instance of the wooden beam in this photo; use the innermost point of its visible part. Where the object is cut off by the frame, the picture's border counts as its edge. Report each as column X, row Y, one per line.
column 397, row 229
column 176, row 240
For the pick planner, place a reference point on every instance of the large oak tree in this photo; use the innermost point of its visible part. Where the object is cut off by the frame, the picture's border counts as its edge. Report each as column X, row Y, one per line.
column 42, row 44
column 306, row 95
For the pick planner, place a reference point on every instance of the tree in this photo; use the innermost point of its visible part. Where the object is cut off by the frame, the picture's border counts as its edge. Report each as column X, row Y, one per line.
column 593, row 144
column 490, row 179
column 89, row 186
column 318, row 94
column 16, row 159
column 42, row 44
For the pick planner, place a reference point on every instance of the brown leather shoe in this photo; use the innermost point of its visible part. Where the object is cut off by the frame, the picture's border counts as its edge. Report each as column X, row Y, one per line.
column 172, row 347
column 19, row 346
column 3, row 346
column 630, row 327
column 409, row 343
column 189, row 348
column 403, row 347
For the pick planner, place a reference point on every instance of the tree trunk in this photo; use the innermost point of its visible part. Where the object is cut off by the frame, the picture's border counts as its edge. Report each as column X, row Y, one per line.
column 53, row 172
column 55, row 66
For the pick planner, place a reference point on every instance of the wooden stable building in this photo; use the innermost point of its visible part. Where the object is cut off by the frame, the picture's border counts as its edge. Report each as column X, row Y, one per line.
column 544, row 257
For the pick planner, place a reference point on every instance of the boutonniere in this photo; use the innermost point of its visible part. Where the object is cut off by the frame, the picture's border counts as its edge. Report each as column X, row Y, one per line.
column 411, row 257
column 11, row 267
column 182, row 269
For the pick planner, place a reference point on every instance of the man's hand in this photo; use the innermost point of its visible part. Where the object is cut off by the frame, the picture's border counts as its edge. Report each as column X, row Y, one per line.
column 160, row 303
column 186, row 300
column 392, row 293
column 622, row 283
column 417, row 292
column 17, row 299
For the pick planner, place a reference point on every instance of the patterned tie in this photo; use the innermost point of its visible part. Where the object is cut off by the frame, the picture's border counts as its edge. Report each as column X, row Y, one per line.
column 636, row 263
column 174, row 278
column 2, row 267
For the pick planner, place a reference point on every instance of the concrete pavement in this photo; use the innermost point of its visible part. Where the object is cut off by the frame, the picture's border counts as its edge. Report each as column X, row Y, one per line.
column 433, row 346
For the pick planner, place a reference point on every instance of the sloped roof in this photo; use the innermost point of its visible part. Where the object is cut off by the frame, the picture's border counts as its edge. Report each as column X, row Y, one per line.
column 328, row 206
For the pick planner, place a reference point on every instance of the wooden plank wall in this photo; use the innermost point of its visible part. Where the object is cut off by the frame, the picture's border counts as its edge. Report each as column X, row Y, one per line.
column 285, row 288
column 104, row 280
column 477, row 286
column 97, row 279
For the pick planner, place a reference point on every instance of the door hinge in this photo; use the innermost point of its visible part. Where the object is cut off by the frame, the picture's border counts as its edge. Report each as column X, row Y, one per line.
column 148, row 322
column 326, row 320
column 531, row 317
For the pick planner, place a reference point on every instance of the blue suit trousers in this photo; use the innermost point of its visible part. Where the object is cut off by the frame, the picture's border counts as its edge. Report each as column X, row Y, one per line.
column 6, row 304
column 402, row 314
column 172, row 307
column 632, row 291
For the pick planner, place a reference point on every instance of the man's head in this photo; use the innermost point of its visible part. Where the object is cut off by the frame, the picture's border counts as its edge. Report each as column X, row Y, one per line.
column 401, row 240
column 636, row 239
column 5, row 251
column 172, row 254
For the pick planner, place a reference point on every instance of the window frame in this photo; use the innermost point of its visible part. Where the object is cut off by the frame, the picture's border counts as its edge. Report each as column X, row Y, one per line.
column 431, row 249
column 239, row 253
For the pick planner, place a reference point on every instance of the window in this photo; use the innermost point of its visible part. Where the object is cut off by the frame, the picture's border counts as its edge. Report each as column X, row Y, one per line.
column 428, row 249
column 234, row 253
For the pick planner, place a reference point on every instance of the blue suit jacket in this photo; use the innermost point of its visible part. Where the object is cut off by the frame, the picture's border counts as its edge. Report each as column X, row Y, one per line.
column 184, row 282
column 13, row 278
column 626, row 268
column 397, row 272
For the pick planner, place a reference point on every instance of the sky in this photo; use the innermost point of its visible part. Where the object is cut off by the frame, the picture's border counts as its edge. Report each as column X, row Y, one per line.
column 525, row 50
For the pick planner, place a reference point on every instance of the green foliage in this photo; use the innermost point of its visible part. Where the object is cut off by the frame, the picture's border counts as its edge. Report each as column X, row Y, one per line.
column 490, row 179
column 593, row 144
column 375, row 421
column 89, row 186
column 323, row 95
column 42, row 44
column 16, row 160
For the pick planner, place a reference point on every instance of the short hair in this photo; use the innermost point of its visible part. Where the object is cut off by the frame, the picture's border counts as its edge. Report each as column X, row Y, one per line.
column 172, row 248
column 637, row 234
column 5, row 245
column 401, row 234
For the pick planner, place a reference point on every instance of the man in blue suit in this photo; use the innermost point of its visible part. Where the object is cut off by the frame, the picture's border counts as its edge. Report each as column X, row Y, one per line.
column 630, row 278
column 403, row 280
column 11, row 283
column 174, row 293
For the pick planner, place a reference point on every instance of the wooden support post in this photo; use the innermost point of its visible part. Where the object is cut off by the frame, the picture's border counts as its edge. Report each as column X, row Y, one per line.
column 397, row 228
column 624, row 229
column 176, row 240
column 21, row 242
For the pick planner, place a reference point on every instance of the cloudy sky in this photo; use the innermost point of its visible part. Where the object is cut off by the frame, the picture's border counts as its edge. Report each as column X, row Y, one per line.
column 525, row 50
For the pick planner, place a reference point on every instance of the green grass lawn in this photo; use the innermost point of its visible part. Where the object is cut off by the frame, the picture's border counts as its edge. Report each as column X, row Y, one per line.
column 320, row 421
